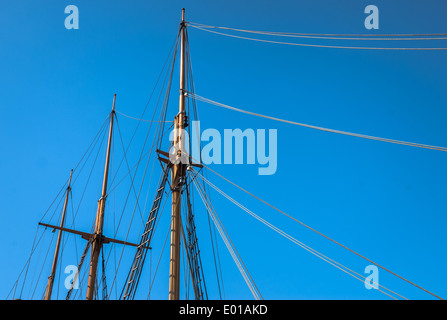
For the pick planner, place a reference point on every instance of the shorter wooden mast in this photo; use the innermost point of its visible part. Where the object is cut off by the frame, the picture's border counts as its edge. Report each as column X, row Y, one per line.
column 58, row 244
column 98, row 236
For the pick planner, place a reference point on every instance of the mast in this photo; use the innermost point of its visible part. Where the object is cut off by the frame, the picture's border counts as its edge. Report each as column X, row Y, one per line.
column 177, row 179
column 58, row 244
column 98, row 236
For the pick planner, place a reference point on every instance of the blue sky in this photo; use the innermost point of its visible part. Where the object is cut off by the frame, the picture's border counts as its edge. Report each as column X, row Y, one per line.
column 385, row 201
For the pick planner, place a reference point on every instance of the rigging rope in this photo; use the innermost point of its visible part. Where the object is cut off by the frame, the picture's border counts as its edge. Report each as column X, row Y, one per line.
column 81, row 262
column 224, row 235
column 123, row 114
column 332, row 36
column 411, row 144
column 214, row 256
column 325, row 34
column 159, row 260
column 321, row 234
column 299, row 243
column 316, row 45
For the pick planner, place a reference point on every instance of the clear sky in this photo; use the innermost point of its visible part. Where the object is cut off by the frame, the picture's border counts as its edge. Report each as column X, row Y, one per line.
column 385, row 201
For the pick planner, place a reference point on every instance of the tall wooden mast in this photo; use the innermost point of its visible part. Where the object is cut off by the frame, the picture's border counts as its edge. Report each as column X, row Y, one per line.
column 177, row 178
column 98, row 235
column 58, row 243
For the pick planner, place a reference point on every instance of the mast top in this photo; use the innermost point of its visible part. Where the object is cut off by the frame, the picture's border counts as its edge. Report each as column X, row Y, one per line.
column 183, row 15
column 113, row 106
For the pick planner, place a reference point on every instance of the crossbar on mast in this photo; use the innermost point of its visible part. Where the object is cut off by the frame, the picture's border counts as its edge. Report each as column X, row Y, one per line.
column 88, row 236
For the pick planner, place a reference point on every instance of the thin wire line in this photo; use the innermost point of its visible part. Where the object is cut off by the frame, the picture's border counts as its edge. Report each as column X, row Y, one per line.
column 159, row 260
column 25, row 267
column 411, row 144
column 276, row 229
column 138, row 118
column 230, row 246
column 299, row 243
column 389, row 37
column 316, row 45
column 325, row 236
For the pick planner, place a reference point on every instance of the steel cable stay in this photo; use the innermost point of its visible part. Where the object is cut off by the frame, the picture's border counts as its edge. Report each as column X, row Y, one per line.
column 229, row 244
column 139, row 119
column 323, row 235
column 320, row 45
column 225, row 234
column 411, row 144
column 190, row 23
column 332, row 36
column 336, row 264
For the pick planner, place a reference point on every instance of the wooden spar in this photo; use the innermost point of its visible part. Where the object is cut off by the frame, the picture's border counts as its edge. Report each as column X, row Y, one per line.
column 88, row 236
column 177, row 178
column 98, row 237
column 58, row 243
